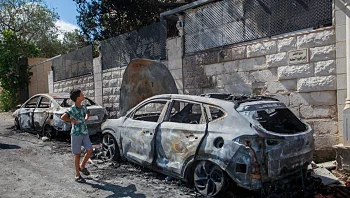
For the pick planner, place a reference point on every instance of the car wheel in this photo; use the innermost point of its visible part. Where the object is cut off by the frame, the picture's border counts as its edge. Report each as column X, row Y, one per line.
column 17, row 124
column 209, row 179
column 110, row 149
column 48, row 132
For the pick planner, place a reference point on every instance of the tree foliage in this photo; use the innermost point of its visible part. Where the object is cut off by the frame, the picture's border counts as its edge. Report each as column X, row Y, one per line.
column 102, row 19
column 29, row 19
column 13, row 74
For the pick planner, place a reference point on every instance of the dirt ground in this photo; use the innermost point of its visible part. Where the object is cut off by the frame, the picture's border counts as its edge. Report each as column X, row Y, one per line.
column 30, row 167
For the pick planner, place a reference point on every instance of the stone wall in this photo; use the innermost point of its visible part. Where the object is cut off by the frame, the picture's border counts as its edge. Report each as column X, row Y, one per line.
column 309, row 89
column 111, row 83
column 84, row 83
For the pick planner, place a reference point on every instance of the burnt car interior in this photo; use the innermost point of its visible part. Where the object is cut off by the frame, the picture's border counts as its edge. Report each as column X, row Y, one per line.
column 280, row 121
column 277, row 120
column 183, row 112
column 149, row 112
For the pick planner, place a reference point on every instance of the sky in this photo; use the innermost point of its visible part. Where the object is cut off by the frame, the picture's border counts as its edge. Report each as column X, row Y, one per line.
column 66, row 9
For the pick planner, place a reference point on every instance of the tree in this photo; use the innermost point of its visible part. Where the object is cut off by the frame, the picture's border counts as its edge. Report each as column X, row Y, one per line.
column 102, row 19
column 29, row 19
column 13, row 73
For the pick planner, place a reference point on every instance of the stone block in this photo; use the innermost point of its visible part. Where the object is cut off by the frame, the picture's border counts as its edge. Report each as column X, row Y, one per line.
column 105, row 99
column 341, row 81
column 225, row 55
column 230, row 67
column 276, row 60
column 66, row 89
column 341, row 96
column 239, row 52
column 56, row 86
column 325, row 127
column 324, row 68
column 175, row 64
column 287, row 44
column 323, row 98
column 107, row 91
column 322, row 53
column 115, row 74
column 314, row 112
column 281, row 86
column 206, row 58
column 319, row 83
column 261, row 49
column 297, row 99
column 325, row 142
column 106, row 75
column 297, row 71
column 264, row 75
column 252, row 64
column 341, row 65
column 238, row 89
column 189, row 61
column 80, row 81
column 112, row 99
column 211, row 70
column 105, row 83
column 320, row 38
column 113, row 83
column 90, row 86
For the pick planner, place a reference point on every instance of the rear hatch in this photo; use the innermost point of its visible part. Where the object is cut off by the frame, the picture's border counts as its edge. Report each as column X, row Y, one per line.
column 287, row 142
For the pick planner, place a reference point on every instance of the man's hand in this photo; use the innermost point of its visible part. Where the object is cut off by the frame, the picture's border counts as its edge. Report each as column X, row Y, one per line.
column 74, row 122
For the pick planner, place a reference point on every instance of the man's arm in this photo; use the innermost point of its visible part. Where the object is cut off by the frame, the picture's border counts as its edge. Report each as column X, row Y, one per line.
column 65, row 117
column 87, row 115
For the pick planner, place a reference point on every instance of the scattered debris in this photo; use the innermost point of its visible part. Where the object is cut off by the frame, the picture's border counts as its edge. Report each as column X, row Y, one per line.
column 44, row 139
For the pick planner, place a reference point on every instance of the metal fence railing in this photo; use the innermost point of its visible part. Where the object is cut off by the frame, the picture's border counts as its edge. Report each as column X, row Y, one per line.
column 234, row 21
column 73, row 64
column 147, row 42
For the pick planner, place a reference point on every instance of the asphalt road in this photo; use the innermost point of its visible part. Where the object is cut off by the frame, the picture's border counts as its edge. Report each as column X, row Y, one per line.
column 30, row 167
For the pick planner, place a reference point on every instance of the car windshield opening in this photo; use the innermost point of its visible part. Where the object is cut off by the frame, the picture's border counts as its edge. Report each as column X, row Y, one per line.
column 279, row 121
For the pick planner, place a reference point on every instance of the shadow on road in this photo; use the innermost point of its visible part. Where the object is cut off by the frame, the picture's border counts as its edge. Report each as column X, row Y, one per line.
column 9, row 146
column 119, row 191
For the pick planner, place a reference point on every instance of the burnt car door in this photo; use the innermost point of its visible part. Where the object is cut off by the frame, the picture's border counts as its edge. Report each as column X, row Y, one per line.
column 26, row 114
column 41, row 113
column 139, row 129
column 180, row 135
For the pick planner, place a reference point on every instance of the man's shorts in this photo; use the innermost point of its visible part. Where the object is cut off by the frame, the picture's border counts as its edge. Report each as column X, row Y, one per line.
column 78, row 140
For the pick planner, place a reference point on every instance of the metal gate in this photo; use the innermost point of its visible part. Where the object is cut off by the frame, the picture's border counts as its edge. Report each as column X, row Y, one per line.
column 235, row 21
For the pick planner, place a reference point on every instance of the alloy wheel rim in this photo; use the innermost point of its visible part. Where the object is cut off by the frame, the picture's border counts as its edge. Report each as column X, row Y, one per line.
column 108, row 146
column 208, row 178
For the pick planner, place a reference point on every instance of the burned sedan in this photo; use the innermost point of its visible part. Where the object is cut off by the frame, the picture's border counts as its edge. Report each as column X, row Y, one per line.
column 253, row 142
column 42, row 112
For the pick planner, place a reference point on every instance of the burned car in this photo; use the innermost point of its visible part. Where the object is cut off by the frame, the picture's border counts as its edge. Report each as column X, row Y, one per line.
column 42, row 112
column 213, row 140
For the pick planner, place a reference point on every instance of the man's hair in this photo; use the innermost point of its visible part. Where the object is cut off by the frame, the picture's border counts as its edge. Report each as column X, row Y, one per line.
column 74, row 94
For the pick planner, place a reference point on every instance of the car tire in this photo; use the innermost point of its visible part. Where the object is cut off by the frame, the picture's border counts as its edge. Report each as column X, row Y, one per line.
column 17, row 124
column 110, row 149
column 209, row 179
column 48, row 132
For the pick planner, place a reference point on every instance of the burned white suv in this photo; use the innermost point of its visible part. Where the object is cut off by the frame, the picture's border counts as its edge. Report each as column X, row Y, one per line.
column 213, row 140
